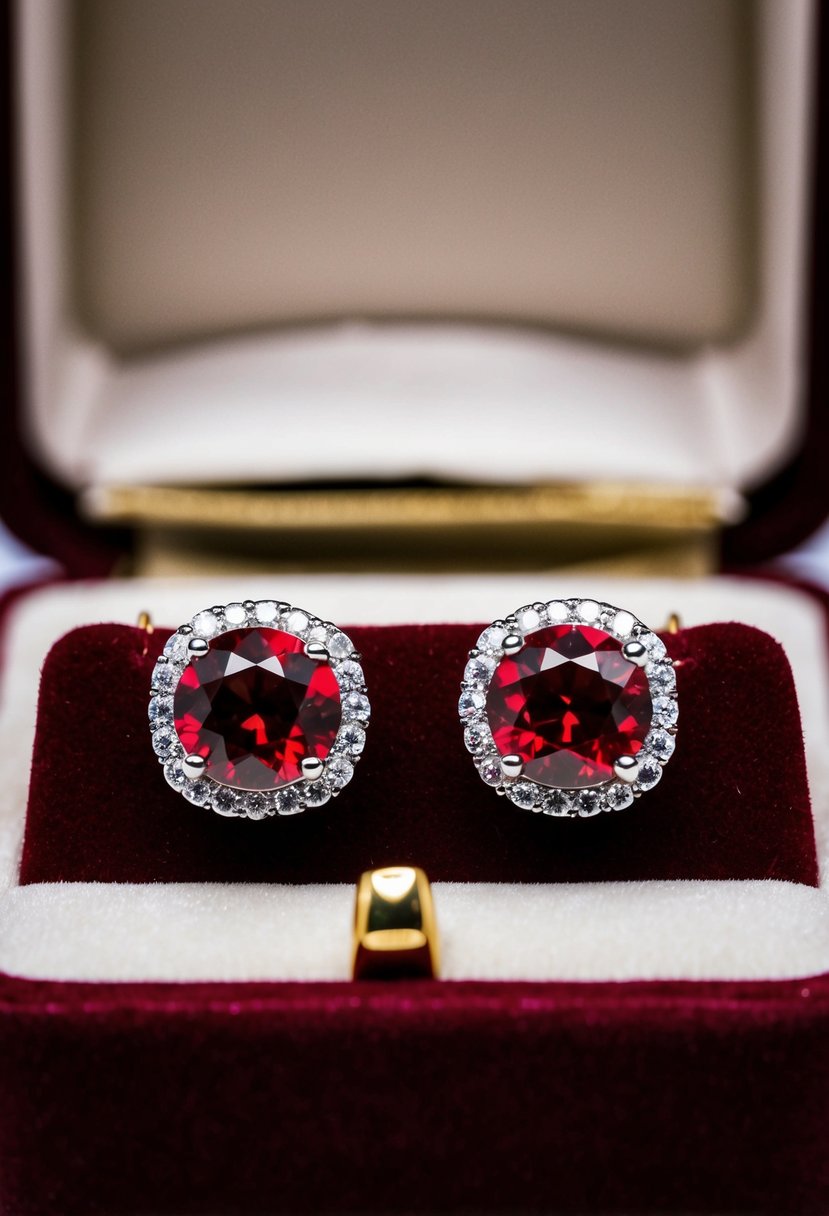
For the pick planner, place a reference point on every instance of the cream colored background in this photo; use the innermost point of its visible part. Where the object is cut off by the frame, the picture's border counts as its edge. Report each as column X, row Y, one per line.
column 235, row 167
column 582, row 164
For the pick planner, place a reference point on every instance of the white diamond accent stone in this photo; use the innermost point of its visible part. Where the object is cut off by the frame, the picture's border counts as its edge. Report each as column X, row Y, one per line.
column 339, row 771
column 470, row 704
column 666, row 711
column 588, row 610
column 661, row 677
column 589, row 803
column 349, row 674
column 296, row 621
column 317, row 793
column 557, row 611
column 490, row 769
column 163, row 741
column 197, row 792
column 174, row 775
column 175, row 648
column 356, row 706
column 206, row 624
column 352, row 738
column 623, row 622
column 649, row 774
column 236, row 614
column 528, row 618
column 289, row 802
column 339, row 646
column 523, row 794
column 492, row 638
column 619, row 796
column 165, row 677
column 266, row 612
column 655, row 646
column 226, row 802
column 661, row 744
column 479, row 670
column 558, row 803
column 256, row 806
column 477, row 738
column 160, row 712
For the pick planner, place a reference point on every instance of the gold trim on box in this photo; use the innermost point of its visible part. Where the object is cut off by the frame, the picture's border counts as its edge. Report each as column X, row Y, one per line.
column 396, row 509
column 634, row 530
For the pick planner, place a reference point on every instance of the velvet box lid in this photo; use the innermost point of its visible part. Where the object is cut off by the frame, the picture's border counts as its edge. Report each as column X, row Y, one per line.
column 767, row 360
column 247, row 1096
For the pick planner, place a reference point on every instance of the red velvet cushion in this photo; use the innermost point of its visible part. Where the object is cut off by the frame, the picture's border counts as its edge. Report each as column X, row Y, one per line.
column 733, row 802
column 413, row 1097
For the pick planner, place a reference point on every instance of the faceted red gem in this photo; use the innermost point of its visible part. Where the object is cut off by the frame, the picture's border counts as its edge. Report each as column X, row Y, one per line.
column 255, row 706
column 569, row 704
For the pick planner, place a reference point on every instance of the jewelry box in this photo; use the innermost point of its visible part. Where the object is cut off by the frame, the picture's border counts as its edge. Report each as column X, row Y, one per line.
column 411, row 315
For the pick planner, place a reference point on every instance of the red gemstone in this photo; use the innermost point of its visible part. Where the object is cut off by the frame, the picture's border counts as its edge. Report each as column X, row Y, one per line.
column 255, row 706
column 569, row 704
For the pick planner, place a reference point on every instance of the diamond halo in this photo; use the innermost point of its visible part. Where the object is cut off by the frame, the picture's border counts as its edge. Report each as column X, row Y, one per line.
column 631, row 652
column 322, row 641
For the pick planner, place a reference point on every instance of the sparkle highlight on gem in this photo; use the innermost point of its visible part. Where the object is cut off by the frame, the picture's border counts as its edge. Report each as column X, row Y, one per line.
column 570, row 705
column 255, row 706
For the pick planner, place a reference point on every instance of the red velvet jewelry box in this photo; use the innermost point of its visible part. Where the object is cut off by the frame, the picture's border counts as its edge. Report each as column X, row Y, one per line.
column 630, row 1021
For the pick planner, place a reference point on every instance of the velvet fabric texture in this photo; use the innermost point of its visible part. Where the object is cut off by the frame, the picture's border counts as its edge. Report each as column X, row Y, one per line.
column 726, row 808
column 417, row 1095
column 414, row 1097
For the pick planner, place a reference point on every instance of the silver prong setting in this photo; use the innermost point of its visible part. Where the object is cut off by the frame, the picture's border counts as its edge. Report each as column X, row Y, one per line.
column 626, row 769
column 512, row 766
column 312, row 768
column 317, row 652
column 512, row 643
column 197, row 648
column 636, row 652
column 194, row 767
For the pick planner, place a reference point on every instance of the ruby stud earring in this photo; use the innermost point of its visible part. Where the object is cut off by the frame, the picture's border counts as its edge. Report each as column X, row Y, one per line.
column 258, row 709
column 569, row 707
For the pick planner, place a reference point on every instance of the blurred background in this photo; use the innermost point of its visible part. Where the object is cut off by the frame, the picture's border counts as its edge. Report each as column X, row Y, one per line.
column 376, row 285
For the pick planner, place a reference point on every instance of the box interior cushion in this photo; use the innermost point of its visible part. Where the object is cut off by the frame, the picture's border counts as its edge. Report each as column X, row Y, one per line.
column 100, row 811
